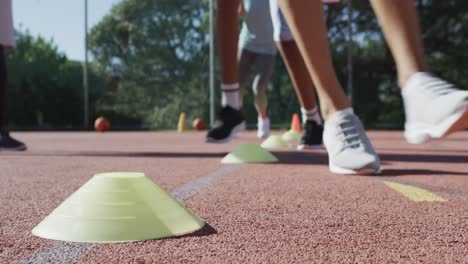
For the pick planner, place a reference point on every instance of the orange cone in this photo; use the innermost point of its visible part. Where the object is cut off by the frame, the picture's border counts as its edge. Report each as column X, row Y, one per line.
column 296, row 123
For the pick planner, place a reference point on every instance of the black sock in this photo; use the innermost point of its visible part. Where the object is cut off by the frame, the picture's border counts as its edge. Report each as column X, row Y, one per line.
column 3, row 85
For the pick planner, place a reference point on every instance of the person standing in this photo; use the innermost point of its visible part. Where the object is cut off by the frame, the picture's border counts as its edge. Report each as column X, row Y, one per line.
column 7, row 42
column 257, row 54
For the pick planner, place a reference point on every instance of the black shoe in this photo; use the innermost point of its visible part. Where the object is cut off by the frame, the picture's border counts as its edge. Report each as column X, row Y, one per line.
column 311, row 136
column 229, row 121
column 9, row 143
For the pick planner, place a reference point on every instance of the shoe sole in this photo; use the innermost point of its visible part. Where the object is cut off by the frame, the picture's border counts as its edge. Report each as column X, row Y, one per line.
column 422, row 133
column 242, row 126
column 231, row 135
column 363, row 171
column 303, row 146
column 22, row 148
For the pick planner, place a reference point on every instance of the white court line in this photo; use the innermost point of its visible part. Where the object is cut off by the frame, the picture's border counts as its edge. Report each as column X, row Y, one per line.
column 64, row 252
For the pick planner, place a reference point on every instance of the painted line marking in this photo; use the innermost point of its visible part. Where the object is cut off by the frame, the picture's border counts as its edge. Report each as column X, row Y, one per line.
column 414, row 193
column 187, row 190
column 64, row 252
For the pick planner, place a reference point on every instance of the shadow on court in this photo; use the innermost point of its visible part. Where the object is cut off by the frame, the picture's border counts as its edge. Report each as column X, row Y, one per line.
column 425, row 172
column 207, row 230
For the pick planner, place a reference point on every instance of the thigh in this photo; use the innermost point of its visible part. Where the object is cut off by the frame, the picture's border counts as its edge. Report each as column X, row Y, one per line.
column 246, row 59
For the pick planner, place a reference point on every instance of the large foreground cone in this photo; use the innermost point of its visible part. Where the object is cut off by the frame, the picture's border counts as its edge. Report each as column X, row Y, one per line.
column 118, row 207
column 296, row 123
column 249, row 153
column 291, row 136
column 274, row 142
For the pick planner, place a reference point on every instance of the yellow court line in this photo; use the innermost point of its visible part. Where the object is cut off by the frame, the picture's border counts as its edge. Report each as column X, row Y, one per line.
column 414, row 193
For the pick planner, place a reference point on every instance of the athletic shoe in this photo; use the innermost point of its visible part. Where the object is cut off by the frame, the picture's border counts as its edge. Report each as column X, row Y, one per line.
column 9, row 143
column 241, row 127
column 229, row 121
column 349, row 149
column 434, row 108
column 263, row 126
column 312, row 134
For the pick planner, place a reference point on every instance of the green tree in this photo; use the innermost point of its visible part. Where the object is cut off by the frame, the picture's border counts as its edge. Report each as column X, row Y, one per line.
column 45, row 88
column 160, row 48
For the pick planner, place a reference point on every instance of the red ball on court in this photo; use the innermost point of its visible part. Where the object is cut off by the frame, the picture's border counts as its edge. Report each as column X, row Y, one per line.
column 101, row 124
column 199, row 124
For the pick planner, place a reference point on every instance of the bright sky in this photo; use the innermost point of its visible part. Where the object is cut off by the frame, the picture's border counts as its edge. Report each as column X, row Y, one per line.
column 60, row 20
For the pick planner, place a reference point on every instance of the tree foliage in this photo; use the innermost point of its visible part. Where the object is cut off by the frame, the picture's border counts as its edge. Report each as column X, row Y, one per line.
column 158, row 49
column 45, row 88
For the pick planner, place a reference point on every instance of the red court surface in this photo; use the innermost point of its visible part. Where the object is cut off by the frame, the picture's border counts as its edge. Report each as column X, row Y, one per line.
column 294, row 211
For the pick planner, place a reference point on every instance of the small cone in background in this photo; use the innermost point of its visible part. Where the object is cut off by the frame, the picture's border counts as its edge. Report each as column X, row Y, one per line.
column 274, row 142
column 291, row 136
column 181, row 125
column 249, row 153
column 118, row 207
column 296, row 123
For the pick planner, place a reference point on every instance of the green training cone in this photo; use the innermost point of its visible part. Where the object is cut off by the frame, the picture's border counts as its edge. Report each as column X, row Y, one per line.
column 249, row 153
column 291, row 135
column 274, row 142
column 118, row 207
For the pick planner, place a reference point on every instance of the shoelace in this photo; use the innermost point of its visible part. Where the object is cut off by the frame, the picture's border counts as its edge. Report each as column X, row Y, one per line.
column 437, row 87
column 349, row 134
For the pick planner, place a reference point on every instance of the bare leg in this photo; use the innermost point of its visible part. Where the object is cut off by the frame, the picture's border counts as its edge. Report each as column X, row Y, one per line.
column 228, row 38
column 245, row 61
column 298, row 73
column 399, row 22
column 306, row 19
column 263, row 70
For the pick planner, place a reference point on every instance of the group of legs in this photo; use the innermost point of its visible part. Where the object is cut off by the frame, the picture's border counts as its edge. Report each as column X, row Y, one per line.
column 433, row 107
column 264, row 30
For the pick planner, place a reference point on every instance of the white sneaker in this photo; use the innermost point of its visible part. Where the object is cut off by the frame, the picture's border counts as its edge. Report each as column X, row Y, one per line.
column 349, row 149
column 434, row 108
column 263, row 127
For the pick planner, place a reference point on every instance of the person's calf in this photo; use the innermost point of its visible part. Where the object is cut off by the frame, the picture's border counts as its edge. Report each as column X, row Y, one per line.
column 3, row 85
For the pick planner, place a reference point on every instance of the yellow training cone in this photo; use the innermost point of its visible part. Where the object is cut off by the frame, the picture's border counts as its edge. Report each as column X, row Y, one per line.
column 181, row 127
column 118, row 207
column 249, row 153
column 274, row 142
column 291, row 136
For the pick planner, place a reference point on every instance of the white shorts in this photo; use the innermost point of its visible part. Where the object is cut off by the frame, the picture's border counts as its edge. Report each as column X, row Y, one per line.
column 281, row 30
column 7, row 33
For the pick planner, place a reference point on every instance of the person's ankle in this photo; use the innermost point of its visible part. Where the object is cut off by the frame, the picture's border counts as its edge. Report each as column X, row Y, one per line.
column 327, row 112
column 406, row 75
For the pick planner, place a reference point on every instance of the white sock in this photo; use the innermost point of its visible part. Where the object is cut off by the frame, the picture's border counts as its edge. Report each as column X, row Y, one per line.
column 230, row 95
column 346, row 111
column 311, row 115
column 414, row 82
